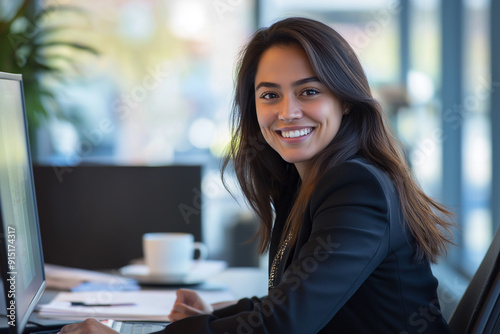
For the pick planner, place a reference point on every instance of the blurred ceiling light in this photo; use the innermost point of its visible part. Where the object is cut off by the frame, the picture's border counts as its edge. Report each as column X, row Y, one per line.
column 188, row 19
column 420, row 87
column 477, row 165
column 201, row 133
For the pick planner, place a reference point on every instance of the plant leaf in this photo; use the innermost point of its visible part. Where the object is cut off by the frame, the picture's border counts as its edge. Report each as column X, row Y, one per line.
column 4, row 29
column 70, row 44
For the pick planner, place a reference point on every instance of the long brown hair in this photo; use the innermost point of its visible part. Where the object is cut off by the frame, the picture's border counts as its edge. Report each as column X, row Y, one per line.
column 262, row 173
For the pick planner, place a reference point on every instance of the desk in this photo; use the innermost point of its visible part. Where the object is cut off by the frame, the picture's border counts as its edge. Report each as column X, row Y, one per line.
column 241, row 282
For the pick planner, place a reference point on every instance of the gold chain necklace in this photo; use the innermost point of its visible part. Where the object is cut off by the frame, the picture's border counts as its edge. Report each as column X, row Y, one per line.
column 277, row 260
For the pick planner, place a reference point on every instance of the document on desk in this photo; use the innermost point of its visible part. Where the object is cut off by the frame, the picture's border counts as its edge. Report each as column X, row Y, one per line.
column 145, row 305
column 66, row 278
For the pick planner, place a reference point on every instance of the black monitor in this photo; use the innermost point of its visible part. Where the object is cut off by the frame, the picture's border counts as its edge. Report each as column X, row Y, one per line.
column 21, row 259
column 94, row 216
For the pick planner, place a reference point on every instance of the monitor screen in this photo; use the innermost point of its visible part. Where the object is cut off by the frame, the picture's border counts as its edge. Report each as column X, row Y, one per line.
column 21, row 258
column 110, row 208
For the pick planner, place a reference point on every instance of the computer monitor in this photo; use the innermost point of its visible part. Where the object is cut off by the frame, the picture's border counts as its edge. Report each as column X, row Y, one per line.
column 94, row 216
column 21, row 258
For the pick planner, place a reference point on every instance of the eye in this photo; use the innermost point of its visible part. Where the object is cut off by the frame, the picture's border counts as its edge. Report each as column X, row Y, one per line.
column 268, row 96
column 309, row 92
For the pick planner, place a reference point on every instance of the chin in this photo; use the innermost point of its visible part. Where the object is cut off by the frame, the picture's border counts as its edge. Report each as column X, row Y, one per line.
column 294, row 159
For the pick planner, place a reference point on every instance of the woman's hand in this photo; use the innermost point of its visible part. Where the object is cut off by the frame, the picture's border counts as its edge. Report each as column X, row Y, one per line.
column 91, row 326
column 187, row 304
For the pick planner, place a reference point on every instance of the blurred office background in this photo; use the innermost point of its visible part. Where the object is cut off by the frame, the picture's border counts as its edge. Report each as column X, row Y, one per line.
column 158, row 91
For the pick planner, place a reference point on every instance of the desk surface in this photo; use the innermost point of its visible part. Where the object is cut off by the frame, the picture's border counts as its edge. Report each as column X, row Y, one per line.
column 241, row 282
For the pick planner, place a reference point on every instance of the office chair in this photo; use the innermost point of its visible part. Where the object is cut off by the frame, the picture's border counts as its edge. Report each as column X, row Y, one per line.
column 478, row 311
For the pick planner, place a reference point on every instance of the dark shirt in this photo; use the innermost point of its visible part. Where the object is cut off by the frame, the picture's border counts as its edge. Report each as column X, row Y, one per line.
column 350, row 271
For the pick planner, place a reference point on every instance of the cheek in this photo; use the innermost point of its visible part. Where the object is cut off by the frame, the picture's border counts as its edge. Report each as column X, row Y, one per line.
column 333, row 113
column 264, row 119
column 262, row 125
column 265, row 122
column 335, row 125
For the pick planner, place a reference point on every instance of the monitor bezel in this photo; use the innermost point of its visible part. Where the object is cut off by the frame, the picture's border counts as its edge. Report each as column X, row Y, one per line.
column 34, row 291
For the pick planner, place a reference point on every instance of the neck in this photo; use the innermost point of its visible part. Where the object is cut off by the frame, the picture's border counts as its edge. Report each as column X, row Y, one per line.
column 301, row 169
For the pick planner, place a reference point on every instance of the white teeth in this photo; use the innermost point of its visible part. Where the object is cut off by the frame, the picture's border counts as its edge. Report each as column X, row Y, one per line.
column 296, row 133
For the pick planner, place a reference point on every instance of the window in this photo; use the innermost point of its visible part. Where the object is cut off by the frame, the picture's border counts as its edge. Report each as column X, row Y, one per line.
column 159, row 91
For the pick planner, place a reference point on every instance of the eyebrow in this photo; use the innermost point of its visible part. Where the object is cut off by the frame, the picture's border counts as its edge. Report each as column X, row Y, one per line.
column 296, row 83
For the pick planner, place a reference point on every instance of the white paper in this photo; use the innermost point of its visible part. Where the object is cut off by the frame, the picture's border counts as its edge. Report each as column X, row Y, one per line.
column 149, row 305
column 66, row 278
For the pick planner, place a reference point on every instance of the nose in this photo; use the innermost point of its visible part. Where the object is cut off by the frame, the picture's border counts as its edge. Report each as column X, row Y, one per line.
column 289, row 109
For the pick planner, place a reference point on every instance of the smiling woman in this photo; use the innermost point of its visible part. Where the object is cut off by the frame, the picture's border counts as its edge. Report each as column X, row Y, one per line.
column 297, row 114
column 350, row 234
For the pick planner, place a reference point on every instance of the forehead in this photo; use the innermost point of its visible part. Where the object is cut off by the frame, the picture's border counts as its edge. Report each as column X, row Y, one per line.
column 281, row 63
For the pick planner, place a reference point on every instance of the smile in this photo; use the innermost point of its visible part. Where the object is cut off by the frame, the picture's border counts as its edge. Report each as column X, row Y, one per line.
column 296, row 133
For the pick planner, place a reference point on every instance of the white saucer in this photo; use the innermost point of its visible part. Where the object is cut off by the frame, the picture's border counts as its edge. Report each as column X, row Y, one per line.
column 200, row 271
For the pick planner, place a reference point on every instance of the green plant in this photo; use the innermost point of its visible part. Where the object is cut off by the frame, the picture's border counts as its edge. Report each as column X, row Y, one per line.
column 27, row 47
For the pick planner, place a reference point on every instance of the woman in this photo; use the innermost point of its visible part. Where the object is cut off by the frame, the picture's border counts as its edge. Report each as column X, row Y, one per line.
column 349, row 232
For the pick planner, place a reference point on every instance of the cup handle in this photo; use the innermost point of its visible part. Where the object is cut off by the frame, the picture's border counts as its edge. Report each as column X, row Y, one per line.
column 202, row 249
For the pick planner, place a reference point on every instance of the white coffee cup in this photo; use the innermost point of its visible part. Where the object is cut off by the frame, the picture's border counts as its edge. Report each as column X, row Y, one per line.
column 171, row 253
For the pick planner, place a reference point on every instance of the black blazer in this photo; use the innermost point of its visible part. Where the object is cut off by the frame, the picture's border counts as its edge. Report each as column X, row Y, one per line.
column 351, row 270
